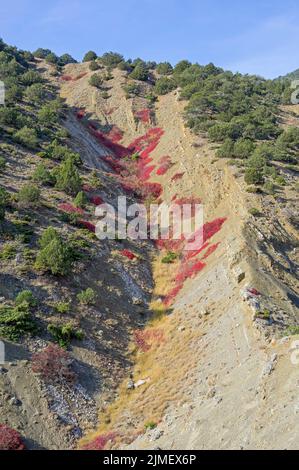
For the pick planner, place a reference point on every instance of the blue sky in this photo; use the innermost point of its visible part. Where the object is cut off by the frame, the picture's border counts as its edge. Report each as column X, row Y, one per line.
column 256, row 36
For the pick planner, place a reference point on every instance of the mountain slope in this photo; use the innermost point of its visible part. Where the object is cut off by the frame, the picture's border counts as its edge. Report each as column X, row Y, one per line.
column 199, row 338
column 209, row 379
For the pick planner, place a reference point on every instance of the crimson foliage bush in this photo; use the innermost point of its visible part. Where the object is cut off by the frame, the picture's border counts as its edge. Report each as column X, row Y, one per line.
column 54, row 364
column 10, row 439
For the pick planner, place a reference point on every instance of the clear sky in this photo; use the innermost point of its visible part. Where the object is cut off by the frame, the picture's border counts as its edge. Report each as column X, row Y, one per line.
column 254, row 36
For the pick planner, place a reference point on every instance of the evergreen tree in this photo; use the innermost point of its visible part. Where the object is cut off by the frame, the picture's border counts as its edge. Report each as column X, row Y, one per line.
column 67, row 177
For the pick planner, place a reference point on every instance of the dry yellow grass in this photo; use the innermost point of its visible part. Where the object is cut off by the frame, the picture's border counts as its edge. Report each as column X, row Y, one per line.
column 167, row 364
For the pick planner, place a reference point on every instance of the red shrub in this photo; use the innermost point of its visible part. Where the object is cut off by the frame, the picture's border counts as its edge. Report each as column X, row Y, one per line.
column 172, row 294
column 10, row 439
column 210, row 228
column 189, row 270
column 88, row 225
column 177, row 176
column 253, row 291
column 96, row 200
column 147, row 142
column 144, row 172
column 140, row 341
column 152, row 190
column 191, row 253
column 170, row 244
column 69, row 78
column 162, row 169
column 53, row 364
column 128, row 254
column 69, row 208
column 87, row 188
column 145, row 338
column 166, row 163
column 116, row 134
column 115, row 164
column 188, row 200
column 66, row 78
column 210, row 250
column 144, row 115
column 104, row 139
column 100, row 442
column 80, row 114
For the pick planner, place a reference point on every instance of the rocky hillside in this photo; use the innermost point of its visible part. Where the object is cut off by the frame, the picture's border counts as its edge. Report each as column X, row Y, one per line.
column 157, row 346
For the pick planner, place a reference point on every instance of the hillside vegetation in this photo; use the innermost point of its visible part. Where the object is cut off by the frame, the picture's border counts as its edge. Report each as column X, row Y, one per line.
column 113, row 341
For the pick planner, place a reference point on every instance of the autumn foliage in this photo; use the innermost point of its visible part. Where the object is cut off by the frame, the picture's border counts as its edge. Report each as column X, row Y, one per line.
column 144, row 339
column 10, row 439
column 53, row 364
column 100, row 442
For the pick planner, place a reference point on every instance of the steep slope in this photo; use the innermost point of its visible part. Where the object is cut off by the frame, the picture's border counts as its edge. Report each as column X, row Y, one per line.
column 54, row 415
column 213, row 375
column 186, row 354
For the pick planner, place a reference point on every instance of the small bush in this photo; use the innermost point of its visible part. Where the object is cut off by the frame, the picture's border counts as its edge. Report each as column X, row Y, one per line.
column 280, row 180
column 47, row 236
column 132, row 89
column 226, row 150
column 254, row 211
column 27, row 137
column 10, row 439
column 254, row 173
column 62, row 307
column 80, row 200
column 8, row 251
column 35, row 93
column 269, row 187
column 264, row 314
column 4, row 198
column 30, row 77
column 26, row 296
column 64, row 333
column 29, row 195
column 93, row 66
column 48, row 115
column 95, row 80
column 2, row 163
column 292, row 330
column 87, row 297
column 169, row 258
column 54, row 364
column 243, row 148
column 55, row 257
column 140, row 72
column 126, row 66
column 16, row 321
column 150, row 425
column 42, row 175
